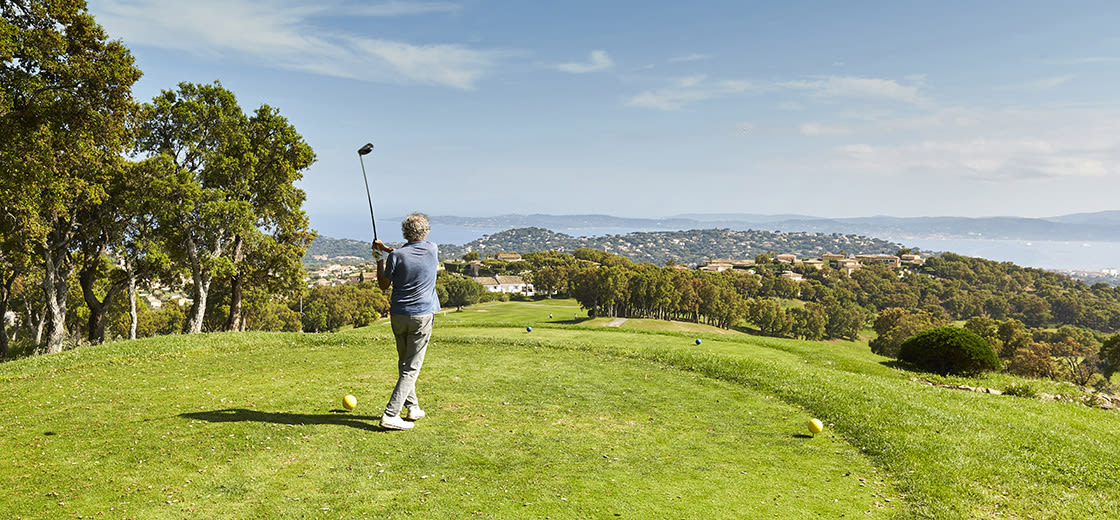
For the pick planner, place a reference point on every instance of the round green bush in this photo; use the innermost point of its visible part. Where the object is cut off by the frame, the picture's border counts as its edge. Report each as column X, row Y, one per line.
column 949, row 350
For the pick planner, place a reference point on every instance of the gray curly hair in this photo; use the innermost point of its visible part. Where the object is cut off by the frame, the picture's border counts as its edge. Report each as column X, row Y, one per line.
column 415, row 227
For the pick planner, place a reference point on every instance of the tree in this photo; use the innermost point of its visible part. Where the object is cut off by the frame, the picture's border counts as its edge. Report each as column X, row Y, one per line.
column 949, row 350
column 550, row 279
column 770, row 317
column 463, row 291
column 200, row 130
column 65, row 101
column 809, row 322
column 1076, row 350
column 1033, row 360
column 271, row 250
column 1013, row 335
column 1030, row 309
column 845, row 320
column 894, row 326
column 1110, row 354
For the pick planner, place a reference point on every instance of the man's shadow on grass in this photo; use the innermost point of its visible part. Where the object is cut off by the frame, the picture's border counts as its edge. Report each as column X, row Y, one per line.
column 338, row 417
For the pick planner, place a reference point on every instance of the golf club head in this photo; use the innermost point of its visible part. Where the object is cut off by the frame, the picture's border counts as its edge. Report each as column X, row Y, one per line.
column 365, row 149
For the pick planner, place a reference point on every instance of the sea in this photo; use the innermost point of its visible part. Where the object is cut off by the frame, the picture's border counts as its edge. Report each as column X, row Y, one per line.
column 1043, row 254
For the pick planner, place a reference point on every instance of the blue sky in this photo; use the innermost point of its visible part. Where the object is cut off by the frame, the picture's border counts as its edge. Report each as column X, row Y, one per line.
column 650, row 109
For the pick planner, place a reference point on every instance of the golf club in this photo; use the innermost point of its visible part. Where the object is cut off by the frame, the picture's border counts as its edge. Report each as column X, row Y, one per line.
column 361, row 152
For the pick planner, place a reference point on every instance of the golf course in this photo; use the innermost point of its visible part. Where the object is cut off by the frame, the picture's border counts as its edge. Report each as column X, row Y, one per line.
column 573, row 419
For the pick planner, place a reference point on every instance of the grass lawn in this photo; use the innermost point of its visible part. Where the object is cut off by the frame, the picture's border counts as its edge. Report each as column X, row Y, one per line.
column 566, row 421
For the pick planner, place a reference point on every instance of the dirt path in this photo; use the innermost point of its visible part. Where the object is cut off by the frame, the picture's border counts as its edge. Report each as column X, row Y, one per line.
column 617, row 322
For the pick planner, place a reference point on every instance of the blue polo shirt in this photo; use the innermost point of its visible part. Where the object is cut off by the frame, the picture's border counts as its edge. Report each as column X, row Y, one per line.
column 412, row 269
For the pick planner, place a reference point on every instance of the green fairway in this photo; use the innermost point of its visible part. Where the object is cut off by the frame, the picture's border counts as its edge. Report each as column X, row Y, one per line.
column 567, row 421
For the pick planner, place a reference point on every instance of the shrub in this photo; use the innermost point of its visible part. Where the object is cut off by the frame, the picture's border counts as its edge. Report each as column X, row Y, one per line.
column 949, row 350
column 1021, row 390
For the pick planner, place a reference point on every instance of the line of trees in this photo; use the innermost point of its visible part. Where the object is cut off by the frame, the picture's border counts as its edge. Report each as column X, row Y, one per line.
column 1041, row 324
column 611, row 285
column 111, row 195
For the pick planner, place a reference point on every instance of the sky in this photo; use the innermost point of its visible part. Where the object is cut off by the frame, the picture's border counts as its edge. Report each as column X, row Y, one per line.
column 659, row 108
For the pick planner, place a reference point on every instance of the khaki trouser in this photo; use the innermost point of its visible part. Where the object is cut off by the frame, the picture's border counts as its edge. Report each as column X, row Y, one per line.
column 412, row 333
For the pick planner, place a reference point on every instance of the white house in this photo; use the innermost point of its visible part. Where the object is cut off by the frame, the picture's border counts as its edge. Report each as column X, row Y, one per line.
column 506, row 284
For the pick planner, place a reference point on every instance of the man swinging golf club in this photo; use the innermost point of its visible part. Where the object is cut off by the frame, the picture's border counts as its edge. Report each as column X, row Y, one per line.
column 411, row 271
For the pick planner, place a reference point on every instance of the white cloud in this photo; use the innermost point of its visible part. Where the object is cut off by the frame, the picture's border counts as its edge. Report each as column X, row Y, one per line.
column 993, row 152
column 400, row 8
column 689, row 90
column 598, row 60
column 696, row 88
column 281, row 34
column 690, row 57
column 1038, row 84
column 993, row 160
column 848, row 86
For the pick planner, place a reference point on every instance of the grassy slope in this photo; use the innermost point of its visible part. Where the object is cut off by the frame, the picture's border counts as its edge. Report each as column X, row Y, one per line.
column 239, row 426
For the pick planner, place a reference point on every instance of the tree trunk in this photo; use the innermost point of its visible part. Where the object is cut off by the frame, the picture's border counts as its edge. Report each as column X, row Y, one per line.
column 5, row 295
column 233, row 321
column 55, row 293
column 38, row 319
column 198, row 307
column 201, row 278
column 97, row 309
column 132, row 316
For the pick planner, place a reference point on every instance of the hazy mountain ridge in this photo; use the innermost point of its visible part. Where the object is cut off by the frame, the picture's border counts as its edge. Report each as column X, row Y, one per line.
column 1099, row 226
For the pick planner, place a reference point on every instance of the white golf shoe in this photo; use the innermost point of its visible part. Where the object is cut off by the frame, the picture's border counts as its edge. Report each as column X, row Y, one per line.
column 414, row 413
column 395, row 423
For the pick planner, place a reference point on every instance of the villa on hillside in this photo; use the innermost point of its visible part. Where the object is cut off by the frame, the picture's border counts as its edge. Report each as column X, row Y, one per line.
column 506, row 284
column 848, row 265
column 818, row 264
column 913, row 260
column 715, row 268
column 890, row 260
column 509, row 257
column 845, row 263
column 719, row 265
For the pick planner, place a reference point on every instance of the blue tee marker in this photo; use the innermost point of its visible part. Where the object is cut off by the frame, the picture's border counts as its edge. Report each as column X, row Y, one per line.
column 697, row 341
column 528, row 329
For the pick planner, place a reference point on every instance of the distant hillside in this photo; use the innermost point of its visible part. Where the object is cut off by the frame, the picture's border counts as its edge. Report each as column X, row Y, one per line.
column 1100, row 226
column 333, row 248
column 683, row 247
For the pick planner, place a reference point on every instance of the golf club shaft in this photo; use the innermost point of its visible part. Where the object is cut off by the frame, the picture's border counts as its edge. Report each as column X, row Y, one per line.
column 369, row 198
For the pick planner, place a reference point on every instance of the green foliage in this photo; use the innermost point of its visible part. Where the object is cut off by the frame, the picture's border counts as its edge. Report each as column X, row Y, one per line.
column 894, row 326
column 1021, row 389
column 809, row 322
column 845, row 320
column 1110, row 354
column 65, row 110
column 331, row 308
column 770, row 317
column 463, row 291
column 949, row 350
